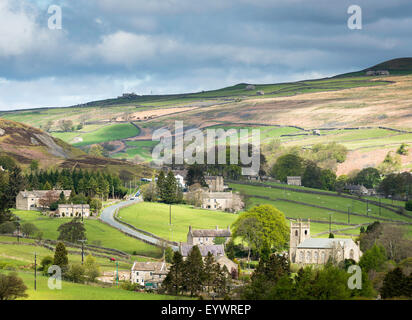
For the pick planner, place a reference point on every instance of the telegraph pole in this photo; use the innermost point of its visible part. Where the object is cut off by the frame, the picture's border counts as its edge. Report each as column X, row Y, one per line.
column 367, row 207
column 170, row 214
column 18, row 233
column 117, row 273
column 82, row 241
column 35, row 271
column 348, row 215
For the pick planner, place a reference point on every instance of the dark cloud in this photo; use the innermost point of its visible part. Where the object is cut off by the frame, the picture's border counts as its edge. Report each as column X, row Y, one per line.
column 186, row 45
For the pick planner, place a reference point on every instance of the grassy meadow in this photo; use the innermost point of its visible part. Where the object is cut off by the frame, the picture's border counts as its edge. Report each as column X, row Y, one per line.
column 154, row 218
column 95, row 231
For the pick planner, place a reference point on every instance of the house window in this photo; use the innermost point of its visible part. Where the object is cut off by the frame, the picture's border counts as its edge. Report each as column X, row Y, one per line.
column 306, row 232
column 137, row 273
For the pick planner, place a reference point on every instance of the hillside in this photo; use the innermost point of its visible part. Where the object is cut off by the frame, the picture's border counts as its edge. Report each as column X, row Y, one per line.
column 363, row 112
column 25, row 143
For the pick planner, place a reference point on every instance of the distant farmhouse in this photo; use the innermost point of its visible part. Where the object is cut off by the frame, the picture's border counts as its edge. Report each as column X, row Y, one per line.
column 149, row 274
column 219, row 199
column 377, row 73
column 30, row 200
column 294, row 181
column 73, row 210
column 358, row 190
column 306, row 250
column 250, row 87
column 207, row 236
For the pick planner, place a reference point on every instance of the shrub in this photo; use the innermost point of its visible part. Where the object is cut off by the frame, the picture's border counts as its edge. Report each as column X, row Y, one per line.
column 408, row 205
column 7, row 227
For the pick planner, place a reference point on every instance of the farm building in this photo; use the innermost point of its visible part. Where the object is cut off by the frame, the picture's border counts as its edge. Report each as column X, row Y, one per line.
column 30, row 200
column 306, row 250
column 207, row 236
column 250, row 87
column 357, row 189
column 149, row 273
column 294, row 181
column 225, row 201
column 73, row 210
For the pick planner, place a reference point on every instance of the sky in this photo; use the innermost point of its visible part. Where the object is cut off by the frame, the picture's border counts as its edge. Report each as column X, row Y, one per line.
column 107, row 47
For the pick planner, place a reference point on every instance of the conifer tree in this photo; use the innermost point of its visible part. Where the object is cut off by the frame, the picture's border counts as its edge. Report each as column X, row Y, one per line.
column 60, row 257
column 194, row 272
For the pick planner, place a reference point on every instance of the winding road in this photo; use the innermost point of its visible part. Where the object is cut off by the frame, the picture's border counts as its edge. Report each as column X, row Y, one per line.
column 107, row 216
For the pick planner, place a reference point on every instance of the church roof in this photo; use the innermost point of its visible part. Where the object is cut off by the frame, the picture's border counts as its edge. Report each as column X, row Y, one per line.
column 324, row 243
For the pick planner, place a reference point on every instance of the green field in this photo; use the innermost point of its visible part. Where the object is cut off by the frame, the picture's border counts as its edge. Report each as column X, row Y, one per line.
column 332, row 201
column 102, row 134
column 20, row 255
column 95, row 231
column 154, row 218
column 74, row 291
column 140, row 149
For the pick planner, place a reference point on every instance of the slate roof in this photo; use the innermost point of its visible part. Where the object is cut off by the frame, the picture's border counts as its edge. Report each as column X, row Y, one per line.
column 74, row 206
column 42, row 193
column 323, row 243
column 155, row 267
column 215, row 249
column 211, row 233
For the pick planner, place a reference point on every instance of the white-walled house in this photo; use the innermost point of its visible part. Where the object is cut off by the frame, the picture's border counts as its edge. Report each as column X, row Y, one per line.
column 73, row 210
column 149, row 273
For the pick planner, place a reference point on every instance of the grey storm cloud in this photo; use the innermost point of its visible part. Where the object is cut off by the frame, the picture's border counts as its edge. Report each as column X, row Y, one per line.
column 165, row 46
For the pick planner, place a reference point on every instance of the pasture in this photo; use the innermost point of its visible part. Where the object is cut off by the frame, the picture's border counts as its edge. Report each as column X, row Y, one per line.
column 96, row 231
column 154, row 218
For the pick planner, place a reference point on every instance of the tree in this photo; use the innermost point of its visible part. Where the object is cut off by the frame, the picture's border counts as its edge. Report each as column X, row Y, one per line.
column 29, row 229
column 390, row 164
column 72, row 231
column 271, row 230
column 368, row 177
column 96, row 150
column 396, row 284
column 91, row 268
column 60, row 257
column 373, row 259
column 265, row 277
column 160, row 184
column 169, row 193
column 209, row 271
column 195, row 175
column 12, row 287
column 403, row 149
column 246, row 229
column 194, row 272
column 327, row 179
column 7, row 227
column 287, row 165
column 174, row 281
column 65, row 125
column 95, row 205
column 312, row 176
column 76, row 273
column 15, row 185
column 149, row 192
column 169, row 255
column 45, row 263
column 34, row 165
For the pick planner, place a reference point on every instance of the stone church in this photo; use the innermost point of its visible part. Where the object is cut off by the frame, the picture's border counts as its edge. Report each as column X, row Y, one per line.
column 306, row 250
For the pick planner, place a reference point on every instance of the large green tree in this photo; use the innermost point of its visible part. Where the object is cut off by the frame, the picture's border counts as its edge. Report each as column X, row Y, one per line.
column 193, row 271
column 72, row 231
column 271, row 227
column 60, row 257
column 287, row 165
column 12, row 287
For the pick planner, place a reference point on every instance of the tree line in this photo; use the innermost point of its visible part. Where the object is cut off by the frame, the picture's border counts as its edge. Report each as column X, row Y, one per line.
column 194, row 276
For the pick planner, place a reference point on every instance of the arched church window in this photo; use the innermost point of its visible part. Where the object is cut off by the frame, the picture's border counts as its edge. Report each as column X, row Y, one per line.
column 296, row 233
column 309, row 257
column 306, row 232
column 323, row 256
column 301, row 256
column 316, row 256
column 351, row 254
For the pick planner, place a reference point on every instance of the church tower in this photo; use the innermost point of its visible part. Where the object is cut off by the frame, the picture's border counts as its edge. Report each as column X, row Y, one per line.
column 299, row 232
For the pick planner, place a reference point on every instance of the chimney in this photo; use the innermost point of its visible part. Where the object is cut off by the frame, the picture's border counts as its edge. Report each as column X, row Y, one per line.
column 228, row 228
column 217, row 228
column 190, row 229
